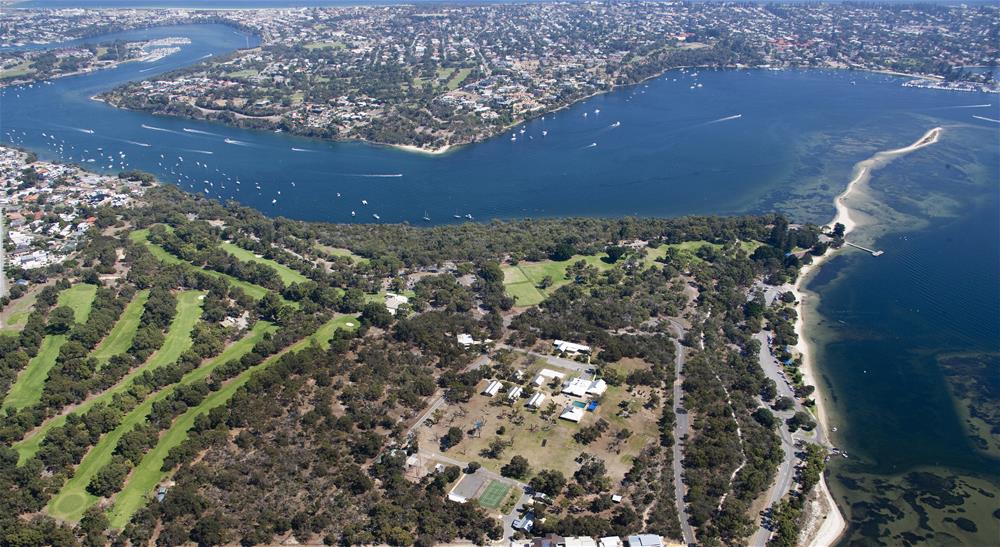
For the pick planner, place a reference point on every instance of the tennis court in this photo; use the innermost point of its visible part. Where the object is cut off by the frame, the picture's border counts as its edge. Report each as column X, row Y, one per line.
column 494, row 494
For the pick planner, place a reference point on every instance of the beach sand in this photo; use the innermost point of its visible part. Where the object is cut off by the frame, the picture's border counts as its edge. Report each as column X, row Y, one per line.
column 831, row 527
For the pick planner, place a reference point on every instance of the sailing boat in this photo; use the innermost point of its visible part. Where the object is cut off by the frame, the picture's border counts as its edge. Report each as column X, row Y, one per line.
column 426, row 218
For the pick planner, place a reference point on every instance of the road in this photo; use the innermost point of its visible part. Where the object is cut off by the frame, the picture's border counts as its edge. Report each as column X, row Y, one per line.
column 439, row 399
column 554, row 360
column 682, row 427
column 784, row 480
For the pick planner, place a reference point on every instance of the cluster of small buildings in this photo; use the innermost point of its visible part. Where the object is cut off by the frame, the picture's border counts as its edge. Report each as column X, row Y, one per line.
column 48, row 208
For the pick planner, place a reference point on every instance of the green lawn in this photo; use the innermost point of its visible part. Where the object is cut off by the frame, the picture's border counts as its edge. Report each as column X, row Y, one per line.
column 320, row 45
column 73, row 499
column 15, row 71
column 142, row 236
column 337, row 251
column 288, row 275
column 523, row 279
column 120, row 338
column 147, row 474
column 457, row 77
column 27, row 388
column 689, row 248
column 494, row 494
column 80, row 297
column 246, row 73
column 176, row 342
column 17, row 313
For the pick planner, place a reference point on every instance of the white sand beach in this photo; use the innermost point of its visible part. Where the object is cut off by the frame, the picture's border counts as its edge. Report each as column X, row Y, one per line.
column 834, row 524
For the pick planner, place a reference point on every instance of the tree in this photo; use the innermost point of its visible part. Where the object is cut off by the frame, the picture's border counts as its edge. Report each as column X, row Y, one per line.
column 838, row 230
column 451, row 438
column 61, row 320
column 518, row 468
column 548, row 482
column 801, row 419
column 376, row 314
column 615, row 252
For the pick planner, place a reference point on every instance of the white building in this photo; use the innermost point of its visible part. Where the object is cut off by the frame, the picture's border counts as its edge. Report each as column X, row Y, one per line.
column 569, row 347
column 572, row 413
column 580, row 541
column 610, row 541
column 546, row 375
column 493, row 388
column 536, row 400
column 515, row 393
column 578, row 387
column 394, row 301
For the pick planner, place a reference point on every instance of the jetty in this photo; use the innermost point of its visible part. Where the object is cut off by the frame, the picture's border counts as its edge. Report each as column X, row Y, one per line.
column 866, row 249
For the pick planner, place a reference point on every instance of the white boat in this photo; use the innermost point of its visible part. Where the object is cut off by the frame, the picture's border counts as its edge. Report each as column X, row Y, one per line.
column 426, row 218
column 468, row 216
column 616, row 124
column 597, row 111
column 544, row 132
column 353, row 213
column 231, row 141
column 376, row 216
column 364, row 202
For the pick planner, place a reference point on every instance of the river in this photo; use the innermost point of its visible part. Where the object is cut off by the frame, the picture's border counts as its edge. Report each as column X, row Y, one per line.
column 907, row 343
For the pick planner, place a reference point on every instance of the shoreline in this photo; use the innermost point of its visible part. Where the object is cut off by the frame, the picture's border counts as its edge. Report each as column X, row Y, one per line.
column 834, row 524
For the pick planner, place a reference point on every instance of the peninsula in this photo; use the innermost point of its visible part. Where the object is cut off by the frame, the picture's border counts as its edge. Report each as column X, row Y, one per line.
column 435, row 78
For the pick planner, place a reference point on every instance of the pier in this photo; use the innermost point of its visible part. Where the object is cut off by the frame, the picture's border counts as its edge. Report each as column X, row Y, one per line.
column 866, row 249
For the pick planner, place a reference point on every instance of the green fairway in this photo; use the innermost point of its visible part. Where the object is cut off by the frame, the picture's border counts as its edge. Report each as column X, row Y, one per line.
column 523, row 279
column 80, row 297
column 337, row 251
column 121, row 335
column 288, row 275
column 73, row 499
column 147, row 474
column 142, row 236
column 494, row 494
column 176, row 342
column 27, row 387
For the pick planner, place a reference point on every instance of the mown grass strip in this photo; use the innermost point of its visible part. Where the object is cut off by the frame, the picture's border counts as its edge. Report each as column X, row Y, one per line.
column 80, row 297
column 148, row 473
column 288, row 275
column 523, row 279
column 120, row 338
column 142, row 236
column 176, row 342
column 74, row 499
column 27, row 388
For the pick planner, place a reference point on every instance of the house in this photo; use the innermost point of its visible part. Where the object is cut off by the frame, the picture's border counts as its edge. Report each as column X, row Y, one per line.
column 524, row 523
column 465, row 340
column 546, row 375
column 493, row 388
column 572, row 413
column 617, row 498
column 578, row 387
column 536, row 400
column 394, row 301
column 610, row 541
column 515, row 393
column 580, row 541
column 569, row 347
column 645, row 540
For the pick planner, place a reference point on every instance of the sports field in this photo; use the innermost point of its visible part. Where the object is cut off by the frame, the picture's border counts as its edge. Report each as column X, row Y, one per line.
column 288, row 275
column 176, row 342
column 522, row 280
column 73, row 499
column 27, row 387
column 142, row 236
column 148, row 474
column 120, row 338
column 494, row 494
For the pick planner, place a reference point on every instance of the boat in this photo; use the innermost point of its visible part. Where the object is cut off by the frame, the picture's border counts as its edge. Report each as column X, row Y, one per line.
column 597, row 111
column 544, row 132
column 376, row 216
column 426, row 218
column 468, row 216
column 457, row 216
column 231, row 141
column 353, row 213
column 616, row 124
column 364, row 202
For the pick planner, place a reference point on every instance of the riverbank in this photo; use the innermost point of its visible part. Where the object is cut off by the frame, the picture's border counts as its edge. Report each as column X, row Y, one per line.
column 834, row 524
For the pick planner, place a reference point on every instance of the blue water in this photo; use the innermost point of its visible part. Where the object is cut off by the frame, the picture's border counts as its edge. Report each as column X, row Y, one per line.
column 885, row 322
